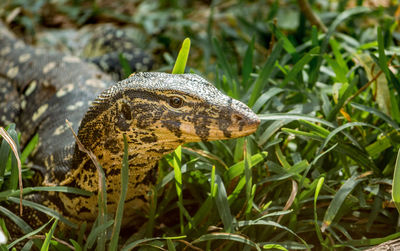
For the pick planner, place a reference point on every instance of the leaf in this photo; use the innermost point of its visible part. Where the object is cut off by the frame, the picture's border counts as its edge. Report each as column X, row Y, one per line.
column 381, row 90
column 342, row 127
column 49, row 235
column 20, row 223
column 269, row 223
column 381, row 144
column 338, row 20
column 377, row 113
column 264, row 74
column 238, row 168
column 265, row 97
column 95, row 233
column 176, row 164
column 222, row 203
column 180, row 64
column 64, row 189
column 227, row 236
column 274, row 247
column 120, row 208
column 317, row 228
column 248, row 177
column 383, row 62
column 281, row 116
column 371, row 241
column 29, row 148
column 229, row 72
column 299, row 66
column 45, row 210
column 134, row 244
column 396, row 182
column 76, row 245
column 31, row 233
column 4, row 152
column 338, row 200
column 247, row 64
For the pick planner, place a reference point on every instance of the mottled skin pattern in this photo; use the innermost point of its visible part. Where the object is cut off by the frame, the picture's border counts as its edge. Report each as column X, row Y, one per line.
column 156, row 111
column 109, row 45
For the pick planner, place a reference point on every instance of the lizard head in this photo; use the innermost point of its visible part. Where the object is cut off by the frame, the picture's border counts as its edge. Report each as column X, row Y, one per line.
column 160, row 111
column 183, row 108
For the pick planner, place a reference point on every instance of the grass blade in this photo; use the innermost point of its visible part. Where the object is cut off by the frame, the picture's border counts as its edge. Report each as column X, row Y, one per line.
column 12, row 193
column 94, row 234
column 226, row 236
column 180, row 64
column 120, row 209
column 29, row 148
column 45, row 210
column 176, row 164
column 49, row 235
column 134, row 244
column 238, row 168
column 338, row 200
column 264, row 74
column 247, row 64
column 377, row 113
column 317, row 228
column 17, row 220
column 31, row 233
column 221, row 200
column 299, row 66
column 338, row 20
column 396, row 183
column 272, row 224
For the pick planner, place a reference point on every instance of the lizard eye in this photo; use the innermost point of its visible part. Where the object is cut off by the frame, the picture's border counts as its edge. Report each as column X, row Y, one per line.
column 176, row 102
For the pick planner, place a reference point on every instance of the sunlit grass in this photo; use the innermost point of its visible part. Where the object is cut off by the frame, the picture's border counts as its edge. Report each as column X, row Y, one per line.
column 317, row 174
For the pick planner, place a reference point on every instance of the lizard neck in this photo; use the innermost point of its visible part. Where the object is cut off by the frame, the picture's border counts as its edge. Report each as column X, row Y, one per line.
column 144, row 152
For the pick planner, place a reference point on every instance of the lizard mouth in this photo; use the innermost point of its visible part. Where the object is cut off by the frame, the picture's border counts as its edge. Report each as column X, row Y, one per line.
column 238, row 125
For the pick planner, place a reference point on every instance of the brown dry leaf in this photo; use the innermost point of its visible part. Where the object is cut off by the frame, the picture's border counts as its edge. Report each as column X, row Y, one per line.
column 380, row 87
column 292, row 196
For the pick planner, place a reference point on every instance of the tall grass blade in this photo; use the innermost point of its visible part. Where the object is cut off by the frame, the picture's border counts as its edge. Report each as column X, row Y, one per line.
column 134, row 244
column 226, row 236
column 45, row 210
column 31, row 233
column 231, row 76
column 29, row 148
column 221, row 200
column 338, row 20
column 264, row 74
column 49, row 235
column 299, row 66
column 247, row 67
column 238, row 168
column 120, row 209
column 94, row 234
column 377, row 113
column 15, row 160
column 272, row 224
column 396, row 183
column 317, row 227
column 338, row 201
column 20, row 223
column 180, row 64
column 12, row 193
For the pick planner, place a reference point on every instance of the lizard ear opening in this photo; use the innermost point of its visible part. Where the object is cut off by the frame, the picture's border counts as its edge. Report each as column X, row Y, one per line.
column 125, row 110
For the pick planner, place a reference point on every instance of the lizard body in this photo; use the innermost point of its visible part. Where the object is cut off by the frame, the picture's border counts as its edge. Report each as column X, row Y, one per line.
column 156, row 111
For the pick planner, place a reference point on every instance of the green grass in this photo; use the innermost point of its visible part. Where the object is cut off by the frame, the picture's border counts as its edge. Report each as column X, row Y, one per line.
column 317, row 174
